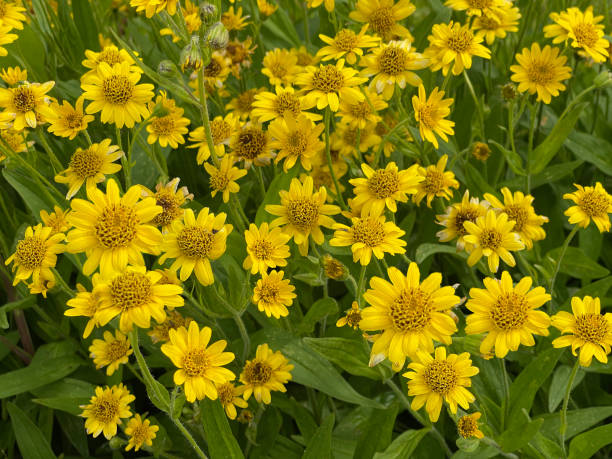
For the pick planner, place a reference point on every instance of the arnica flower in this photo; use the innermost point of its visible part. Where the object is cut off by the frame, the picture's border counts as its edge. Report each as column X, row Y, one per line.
column 242, row 105
column 384, row 17
column 239, row 53
column 25, row 102
column 493, row 8
column 273, row 294
column 284, row 101
column 174, row 320
column 110, row 352
column 345, row 137
column 84, row 304
column 90, row 166
column 15, row 140
column 215, row 73
column 193, row 243
column 518, row 208
column 170, row 128
column 200, row 363
column 467, row 210
column 110, row 55
column 280, row 66
column 367, row 236
column 221, row 129
column 106, row 409
column 352, row 317
column 392, row 64
column 171, row 199
column 452, row 47
column 251, row 144
column 151, row 7
column 541, row 71
column 346, row 44
column 467, row 426
column 56, row 220
column 591, row 203
column 230, row 398
column 492, row 26
column 304, row 58
column 586, row 329
column 295, row 139
column 115, row 92
column 492, row 236
column 113, row 230
column 223, row 178
column 6, row 38
column 507, row 314
column 365, row 113
column 583, row 29
column 439, row 379
column 268, row 371
column 333, row 268
column 481, row 151
column 13, row 75
column 266, row 248
column 140, row 432
column 431, row 112
column 266, row 9
column 383, row 188
column 436, row 182
column 11, row 15
column 410, row 313
column 233, row 19
column 329, row 4
column 66, row 120
column 302, row 212
column 328, row 84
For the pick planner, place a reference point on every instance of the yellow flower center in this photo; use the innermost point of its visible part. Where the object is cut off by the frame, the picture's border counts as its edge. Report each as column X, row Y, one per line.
column 393, row 60
column 262, row 249
column 353, row 317
column 226, row 393
column 130, row 290
column 109, row 55
column 321, row 177
column 279, row 70
column 519, row 214
column 140, row 434
column 594, row 203
column 117, row 89
column 467, row 426
column 460, row 40
column 464, row 215
column 441, row 377
column 195, row 242
column 481, row 151
column 196, row 362
column 15, row 140
column 257, row 373
column 382, row 21
column 245, row 101
column 86, row 163
column 171, row 207
column 480, row 4
column 586, row 35
column 411, row 310
column 427, row 115
column 106, row 408
column 287, row 102
column 434, row 181
column 369, row 231
column 74, row 120
column 116, row 349
column 490, row 239
column 116, row 226
column 591, row 327
column 269, row 291
column 251, row 143
column 541, row 73
column 383, row 183
column 296, row 143
column 361, row 110
column 333, row 268
column 24, row 99
column 213, row 69
column 488, row 23
column 345, row 40
column 221, row 130
column 303, row 213
column 219, row 181
column 30, row 252
column 349, row 136
column 380, row 129
column 3, row 9
column 163, row 126
column 328, row 79
column 510, row 311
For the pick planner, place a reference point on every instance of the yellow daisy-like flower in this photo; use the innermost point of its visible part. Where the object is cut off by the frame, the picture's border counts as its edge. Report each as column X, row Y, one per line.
column 13, row 75
column 11, row 15
column 113, row 230
column 481, row 151
column 140, row 432
column 438, row 379
column 266, row 248
column 266, row 9
column 6, row 38
column 242, row 105
column 84, row 304
column 346, row 44
column 329, row 4
column 221, row 129
column 234, row 20
column 468, row 210
column 436, row 182
column 171, row 199
column 229, row 396
column 280, row 66
column 392, row 64
column 383, row 188
column 431, row 112
column 304, row 58
column 494, row 8
column 452, row 46
column 410, row 313
column 344, row 140
column 110, row 352
column 507, row 314
column 170, row 128
column 56, row 220
column 240, row 53
column 369, row 235
column 151, row 7
column 295, row 139
column 223, row 178
column 215, row 73
column 174, row 320
column 273, row 294
column 66, row 120
column 193, row 243
column 541, row 71
column 518, row 208
column 492, row 236
column 302, row 212
column 326, row 85
column 15, row 140
column 586, row 329
column 467, row 426
column 592, row 202
column 492, row 26
column 115, row 92
column 111, row 55
column 268, row 371
column 105, row 410
column 365, row 113
column 251, row 144
column 200, row 363
column 25, row 103
column 384, row 16
column 90, row 166
column 352, row 317
column 284, row 101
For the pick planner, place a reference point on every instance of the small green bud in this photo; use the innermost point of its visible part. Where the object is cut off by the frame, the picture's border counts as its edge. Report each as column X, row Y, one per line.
column 603, row 80
column 166, row 68
column 191, row 56
column 208, row 13
column 217, row 36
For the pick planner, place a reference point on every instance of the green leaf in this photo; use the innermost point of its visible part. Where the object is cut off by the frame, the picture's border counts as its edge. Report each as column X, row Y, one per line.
column 221, row 442
column 83, row 15
column 67, row 404
column 319, row 446
column 587, row 444
column 520, row 435
column 476, row 181
column 404, row 445
column 594, row 150
column 577, row 421
column 318, row 311
column 512, row 158
column 280, row 182
column 72, row 426
column 377, row 432
column 599, row 288
column 577, row 264
column 29, row 190
column 426, row 250
column 558, row 385
column 31, row 441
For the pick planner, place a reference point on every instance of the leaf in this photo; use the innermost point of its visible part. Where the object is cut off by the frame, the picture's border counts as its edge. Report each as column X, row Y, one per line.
column 31, row 441
column 558, row 385
column 514, row 160
column 348, row 354
column 426, row 250
column 83, row 15
column 577, row 264
column 587, row 444
column 599, row 288
column 72, row 427
column 29, row 190
column 68, row 404
column 577, row 421
column 404, row 445
column 318, row 311
column 477, row 182
column 520, row 435
column 319, row 446
column 378, row 430
column 594, row 150
column 221, row 441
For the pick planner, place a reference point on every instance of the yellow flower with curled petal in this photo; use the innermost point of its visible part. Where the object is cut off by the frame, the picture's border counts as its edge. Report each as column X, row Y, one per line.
column 13, row 75
column 168, row 128
column 266, row 248
column 106, row 409
column 346, row 44
column 431, row 112
column 592, row 202
column 25, row 103
column 66, row 120
column 273, row 294
column 229, row 396
column 267, row 372
column 141, row 432
column 384, row 17
column 110, row 352
column 223, row 178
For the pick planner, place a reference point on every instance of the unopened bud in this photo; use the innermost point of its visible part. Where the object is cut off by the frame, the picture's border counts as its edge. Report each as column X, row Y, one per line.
column 334, row 269
column 116, row 443
column 191, row 57
column 509, row 91
column 208, row 13
column 603, row 80
column 166, row 68
column 217, row 36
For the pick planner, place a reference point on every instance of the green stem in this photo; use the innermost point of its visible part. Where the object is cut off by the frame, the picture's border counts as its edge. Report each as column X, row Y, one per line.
column 259, row 175
column 566, row 244
column 533, row 109
column 306, row 24
column 61, row 283
column 329, row 160
column 477, row 104
column 232, row 205
column 127, row 174
column 246, row 341
column 568, row 390
column 56, row 164
column 506, row 400
column 188, row 437
column 87, row 137
column 205, row 117
column 150, row 382
column 360, row 285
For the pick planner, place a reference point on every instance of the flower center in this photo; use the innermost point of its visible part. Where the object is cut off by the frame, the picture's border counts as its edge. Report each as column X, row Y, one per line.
column 466, row 215
column 221, row 130
column 467, row 426
column 333, row 268
column 393, row 60
column 369, row 231
column 106, row 409
column 488, row 23
column 3, row 9
column 383, row 183
column 270, row 292
column 361, row 110
column 140, row 434
column 287, row 102
column 257, row 373
column 594, row 203
column 490, row 239
column 226, row 393
column 591, row 327
column 441, row 377
column 117, row 89
column 116, row 226
column 279, row 70
column 24, row 99
column 479, row 4
column 30, row 252
column 196, row 362
column 345, row 40
column 109, row 55
column 303, row 213
column 212, row 69
column 349, row 136
column 117, row 349
column 328, row 79
column 245, row 101
column 460, row 40
column 541, row 73
column 195, row 242
column 219, row 181
column 297, row 142
column 86, row 163
column 163, row 126
column 262, row 249
column 411, row 310
column 434, row 181
column 586, row 35
column 251, row 143
column 74, row 120
column 427, row 115
column 519, row 214
column 382, row 21
column 353, row 317
column 510, row 311
column 130, row 290
column 171, row 208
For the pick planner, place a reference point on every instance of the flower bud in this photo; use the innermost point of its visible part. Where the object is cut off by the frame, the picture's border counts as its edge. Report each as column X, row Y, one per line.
column 603, row 80
column 481, row 151
column 509, row 91
column 167, row 68
column 334, row 269
column 208, row 13
column 217, row 36
column 191, row 57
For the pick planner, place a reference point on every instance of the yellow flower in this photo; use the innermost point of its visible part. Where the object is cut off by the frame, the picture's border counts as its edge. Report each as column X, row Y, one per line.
column 518, row 208
column 242, row 105
column 174, row 320
column 492, row 236
column 111, row 55
column 11, row 15
column 454, row 42
column 481, row 151
column 223, row 178
column 467, row 426
column 540, row 71
column 171, row 199
column 284, row 101
column 384, row 16
column 506, row 314
column 410, row 313
column 25, row 103
column 84, row 304
column 365, row 113
column 591, row 203
column 302, row 212
column 439, row 379
column 251, row 144
column 193, row 243
column 240, row 53
column 170, row 128
column 151, row 7
column 200, row 363
column 431, row 112
column 221, row 129
column 329, row 4
column 344, row 140
column 327, row 84
column 56, row 220
column 13, row 75
column 304, row 58
column 15, row 140
column 280, row 66
column 468, row 210
column 266, row 248
column 352, row 317
column 268, row 371
column 5, row 39
column 266, row 9
column 90, row 166
column 113, row 230
column 110, row 352
column 140, row 432
column 295, row 138
column 586, row 329
column 333, row 268
column 105, row 410
column 369, row 235
column 273, row 294
column 346, row 44
column 233, row 19
column 383, row 188
column 65, row 120
column 115, row 92
column 479, row 8
column 229, row 396
column 391, row 64
column 436, row 182
column 496, row 25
